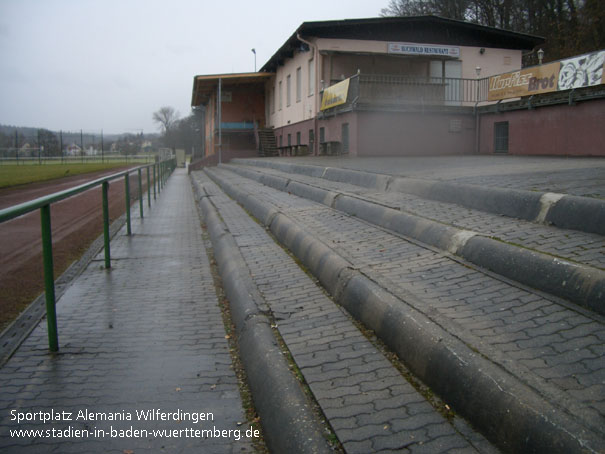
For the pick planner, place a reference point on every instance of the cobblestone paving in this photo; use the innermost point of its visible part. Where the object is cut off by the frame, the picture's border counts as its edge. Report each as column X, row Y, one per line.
column 556, row 350
column 578, row 246
column 370, row 406
column 576, row 176
column 146, row 335
column 588, row 182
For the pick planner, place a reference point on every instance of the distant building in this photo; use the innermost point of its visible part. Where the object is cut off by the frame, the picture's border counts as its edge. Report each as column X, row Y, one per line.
column 73, row 150
column 27, row 150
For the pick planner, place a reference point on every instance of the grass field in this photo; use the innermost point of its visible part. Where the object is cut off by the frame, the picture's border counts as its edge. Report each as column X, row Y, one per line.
column 12, row 175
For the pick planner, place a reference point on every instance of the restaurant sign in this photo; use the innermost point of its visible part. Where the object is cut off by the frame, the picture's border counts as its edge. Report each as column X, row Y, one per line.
column 576, row 72
column 423, row 49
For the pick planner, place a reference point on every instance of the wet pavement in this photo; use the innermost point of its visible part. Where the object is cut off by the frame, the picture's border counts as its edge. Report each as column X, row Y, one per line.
column 143, row 365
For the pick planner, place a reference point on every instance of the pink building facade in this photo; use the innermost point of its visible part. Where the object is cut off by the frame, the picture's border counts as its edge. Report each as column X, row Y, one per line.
column 397, row 86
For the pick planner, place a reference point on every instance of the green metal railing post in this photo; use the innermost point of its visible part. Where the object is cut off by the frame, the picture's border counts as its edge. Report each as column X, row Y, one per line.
column 106, row 224
column 148, row 190
column 161, row 172
column 140, row 193
column 159, row 177
column 155, row 179
column 49, row 279
column 127, row 195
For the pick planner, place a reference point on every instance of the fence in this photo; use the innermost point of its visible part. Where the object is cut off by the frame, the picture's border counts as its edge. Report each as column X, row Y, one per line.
column 161, row 171
column 12, row 157
column 382, row 90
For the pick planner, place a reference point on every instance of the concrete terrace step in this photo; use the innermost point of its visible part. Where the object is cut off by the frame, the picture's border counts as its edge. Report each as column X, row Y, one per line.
column 367, row 401
column 560, row 209
column 524, row 368
column 566, row 263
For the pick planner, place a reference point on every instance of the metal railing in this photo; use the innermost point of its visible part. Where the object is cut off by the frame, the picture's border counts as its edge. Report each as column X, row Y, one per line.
column 12, row 156
column 161, row 171
column 397, row 91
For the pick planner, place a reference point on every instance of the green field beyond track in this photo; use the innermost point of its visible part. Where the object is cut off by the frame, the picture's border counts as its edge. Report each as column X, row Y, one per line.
column 12, row 175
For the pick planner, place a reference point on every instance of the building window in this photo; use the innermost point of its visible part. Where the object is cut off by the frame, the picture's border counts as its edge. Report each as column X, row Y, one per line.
column 288, row 91
column 298, row 84
column 345, row 137
column 298, row 138
column 289, row 140
column 281, row 141
column 322, row 135
column 279, row 94
column 311, row 77
column 501, row 137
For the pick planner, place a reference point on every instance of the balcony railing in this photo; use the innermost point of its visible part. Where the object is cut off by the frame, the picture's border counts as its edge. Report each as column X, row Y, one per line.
column 393, row 92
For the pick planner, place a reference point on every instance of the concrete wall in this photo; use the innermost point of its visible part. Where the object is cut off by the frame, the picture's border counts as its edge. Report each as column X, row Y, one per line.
column 555, row 130
column 413, row 134
column 564, row 130
column 492, row 61
column 302, row 126
column 333, row 130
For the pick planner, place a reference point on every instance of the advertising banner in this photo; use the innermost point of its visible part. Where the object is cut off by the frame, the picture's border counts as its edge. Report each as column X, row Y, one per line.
column 335, row 95
column 582, row 71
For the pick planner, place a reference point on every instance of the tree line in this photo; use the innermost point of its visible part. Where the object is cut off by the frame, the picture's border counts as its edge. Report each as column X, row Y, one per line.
column 52, row 143
column 570, row 27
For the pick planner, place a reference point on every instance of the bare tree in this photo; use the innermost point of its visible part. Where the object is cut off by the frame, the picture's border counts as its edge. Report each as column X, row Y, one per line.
column 167, row 118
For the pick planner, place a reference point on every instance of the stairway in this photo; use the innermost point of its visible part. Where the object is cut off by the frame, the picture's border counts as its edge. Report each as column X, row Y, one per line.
column 267, row 142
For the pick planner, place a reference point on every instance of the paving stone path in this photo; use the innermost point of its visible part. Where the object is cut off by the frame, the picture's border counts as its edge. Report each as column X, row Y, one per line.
column 366, row 400
column 576, row 176
column 554, row 348
column 581, row 247
column 146, row 335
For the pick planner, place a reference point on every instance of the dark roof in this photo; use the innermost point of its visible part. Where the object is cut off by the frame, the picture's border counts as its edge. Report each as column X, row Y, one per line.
column 205, row 85
column 418, row 29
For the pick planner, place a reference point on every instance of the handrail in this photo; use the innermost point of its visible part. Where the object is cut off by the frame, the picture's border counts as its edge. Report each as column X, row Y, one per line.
column 161, row 172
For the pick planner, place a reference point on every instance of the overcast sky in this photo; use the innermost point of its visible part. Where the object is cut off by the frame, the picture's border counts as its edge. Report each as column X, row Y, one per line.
column 109, row 64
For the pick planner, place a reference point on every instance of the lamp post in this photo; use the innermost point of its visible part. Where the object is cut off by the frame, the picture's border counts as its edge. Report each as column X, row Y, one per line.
column 254, row 52
column 540, row 56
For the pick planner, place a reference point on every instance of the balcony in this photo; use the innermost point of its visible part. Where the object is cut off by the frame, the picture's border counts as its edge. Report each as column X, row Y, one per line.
column 401, row 93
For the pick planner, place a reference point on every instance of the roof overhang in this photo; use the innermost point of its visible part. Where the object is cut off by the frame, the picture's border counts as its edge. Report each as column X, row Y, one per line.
column 421, row 29
column 204, row 86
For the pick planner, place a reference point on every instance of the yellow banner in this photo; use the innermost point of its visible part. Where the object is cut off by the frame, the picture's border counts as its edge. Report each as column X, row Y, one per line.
column 582, row 71
column 335, row 95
